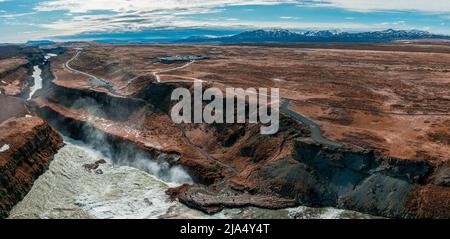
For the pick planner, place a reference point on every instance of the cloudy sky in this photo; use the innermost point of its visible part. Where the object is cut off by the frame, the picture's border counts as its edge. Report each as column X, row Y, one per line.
column 22, row 20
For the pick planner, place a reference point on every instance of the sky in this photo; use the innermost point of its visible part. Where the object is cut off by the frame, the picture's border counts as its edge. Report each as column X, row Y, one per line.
column 22, row 20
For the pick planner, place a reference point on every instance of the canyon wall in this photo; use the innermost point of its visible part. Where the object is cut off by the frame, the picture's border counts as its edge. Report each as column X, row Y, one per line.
column 27, row 148
column 360, row 180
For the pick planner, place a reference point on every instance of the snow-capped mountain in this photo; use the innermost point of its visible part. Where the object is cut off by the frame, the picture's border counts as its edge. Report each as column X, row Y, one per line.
column 286, row 36
column 267, row 35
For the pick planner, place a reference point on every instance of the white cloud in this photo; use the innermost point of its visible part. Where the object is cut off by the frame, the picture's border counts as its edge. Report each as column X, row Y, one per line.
column 430, row 6
column 138, row 14
column 83, row 6
column 130, row 15
column 397, row 23
column 17, row 15
column 289, row 17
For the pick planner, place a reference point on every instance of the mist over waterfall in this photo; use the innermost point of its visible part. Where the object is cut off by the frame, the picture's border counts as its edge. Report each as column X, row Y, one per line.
column 97, row 143
column 130, row 156
column 159, row 168
column 67, row 190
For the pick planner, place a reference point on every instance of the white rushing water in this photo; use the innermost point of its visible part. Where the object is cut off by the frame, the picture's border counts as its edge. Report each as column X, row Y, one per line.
column 37, row 81
column 37, row 72
column 68, row 190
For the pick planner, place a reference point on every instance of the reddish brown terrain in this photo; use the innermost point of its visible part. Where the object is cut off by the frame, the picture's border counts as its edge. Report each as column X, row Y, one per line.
column 27, row 142
column 393, row 99
column 14, row 76
column 16, row 65
column 385, row 105
column 388, row 105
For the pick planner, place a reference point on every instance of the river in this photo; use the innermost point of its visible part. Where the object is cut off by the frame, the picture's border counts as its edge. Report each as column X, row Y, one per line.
column 37, row 72
column 37, row 81
column 68, row 190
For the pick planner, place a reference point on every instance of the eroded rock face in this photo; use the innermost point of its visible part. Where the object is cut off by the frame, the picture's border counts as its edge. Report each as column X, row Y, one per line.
column 442, row 176
column 211, row 200
column 15, row 79
column 27, row 147
column 16, row 67
column 27, row 143
column 362, row 180
column 12, row 107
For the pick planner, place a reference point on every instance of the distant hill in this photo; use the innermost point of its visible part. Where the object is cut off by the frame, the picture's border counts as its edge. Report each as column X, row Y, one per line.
column 286, row 36
column 14, row 50
column 40, row 43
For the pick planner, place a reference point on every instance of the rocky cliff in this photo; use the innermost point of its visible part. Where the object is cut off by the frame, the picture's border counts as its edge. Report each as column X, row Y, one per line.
column 361, row 180
column 27, row 142
column 16, row 69
column 27, row 146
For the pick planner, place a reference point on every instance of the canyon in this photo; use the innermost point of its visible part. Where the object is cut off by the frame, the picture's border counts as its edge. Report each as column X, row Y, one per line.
column 382, row 114
column 28, row 142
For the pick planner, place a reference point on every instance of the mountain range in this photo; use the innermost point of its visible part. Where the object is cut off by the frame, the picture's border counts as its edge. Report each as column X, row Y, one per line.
column 286, row 36
column 250, row 36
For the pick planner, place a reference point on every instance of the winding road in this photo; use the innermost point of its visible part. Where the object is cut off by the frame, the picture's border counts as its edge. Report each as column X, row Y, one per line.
column 316, row 133
column 157, row 76
column 99, row 82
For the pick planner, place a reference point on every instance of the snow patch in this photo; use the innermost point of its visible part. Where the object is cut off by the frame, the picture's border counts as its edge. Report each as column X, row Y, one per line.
column 49, row 55
column 278, row 80
column 4, row 148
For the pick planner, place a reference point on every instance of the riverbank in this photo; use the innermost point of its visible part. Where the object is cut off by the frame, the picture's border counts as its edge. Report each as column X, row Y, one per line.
column 68, row 190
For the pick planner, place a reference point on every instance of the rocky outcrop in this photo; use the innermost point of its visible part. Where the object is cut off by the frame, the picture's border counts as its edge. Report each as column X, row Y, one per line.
column 120, row 145
column 360, row 180
column 211, row 200
column 27, row 146
column 113, row 107
column 346, row 178
column 442, row 176
column 17, row 80
column 12, row 107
